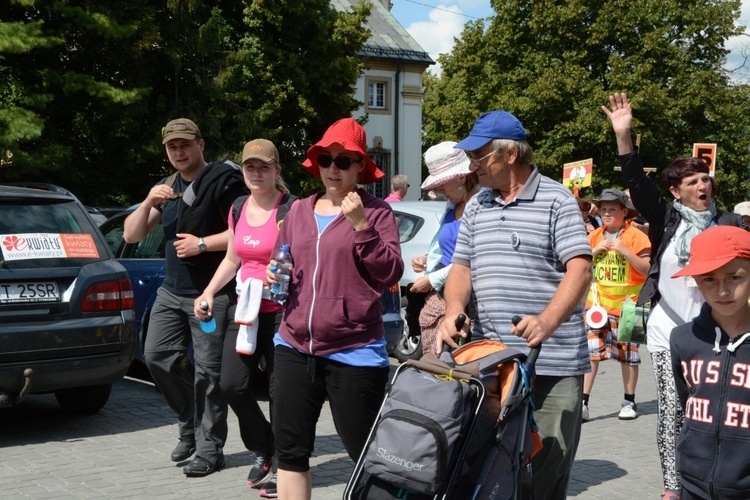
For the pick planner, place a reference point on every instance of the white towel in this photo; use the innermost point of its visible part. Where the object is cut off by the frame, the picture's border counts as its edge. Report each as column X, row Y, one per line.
column 250, row 293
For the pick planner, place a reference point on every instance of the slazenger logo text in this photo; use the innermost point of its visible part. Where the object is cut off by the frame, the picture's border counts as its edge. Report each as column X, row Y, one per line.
column 383, row 453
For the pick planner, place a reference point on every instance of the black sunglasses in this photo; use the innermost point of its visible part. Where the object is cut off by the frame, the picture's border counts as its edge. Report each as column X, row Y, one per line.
column 342, row 162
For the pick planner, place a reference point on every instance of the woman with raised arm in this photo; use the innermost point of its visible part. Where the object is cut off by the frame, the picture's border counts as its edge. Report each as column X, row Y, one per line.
column 672, row 226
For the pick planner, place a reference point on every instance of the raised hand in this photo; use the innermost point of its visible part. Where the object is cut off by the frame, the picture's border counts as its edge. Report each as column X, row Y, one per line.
column 621, row 116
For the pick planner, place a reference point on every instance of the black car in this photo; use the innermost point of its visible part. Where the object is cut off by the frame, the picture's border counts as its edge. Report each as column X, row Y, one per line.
column 66, row 304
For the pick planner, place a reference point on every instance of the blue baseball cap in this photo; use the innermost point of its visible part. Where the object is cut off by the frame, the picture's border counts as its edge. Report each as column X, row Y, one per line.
column 493, row 125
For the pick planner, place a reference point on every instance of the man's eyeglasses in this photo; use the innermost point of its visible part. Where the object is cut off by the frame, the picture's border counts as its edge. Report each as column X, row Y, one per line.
column 477, row 161
column 342, row 162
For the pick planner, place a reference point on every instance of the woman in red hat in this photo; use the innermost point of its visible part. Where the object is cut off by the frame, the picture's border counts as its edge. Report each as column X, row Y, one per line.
column 345, row 247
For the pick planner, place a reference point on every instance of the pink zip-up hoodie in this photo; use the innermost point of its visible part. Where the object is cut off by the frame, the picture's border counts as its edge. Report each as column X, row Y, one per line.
column 339, row 276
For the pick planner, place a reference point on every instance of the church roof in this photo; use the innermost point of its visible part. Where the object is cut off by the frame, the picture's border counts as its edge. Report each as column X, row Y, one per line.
column 388, row 39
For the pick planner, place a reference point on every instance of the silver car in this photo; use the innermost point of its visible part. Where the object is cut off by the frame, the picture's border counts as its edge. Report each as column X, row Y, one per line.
column 418, row 221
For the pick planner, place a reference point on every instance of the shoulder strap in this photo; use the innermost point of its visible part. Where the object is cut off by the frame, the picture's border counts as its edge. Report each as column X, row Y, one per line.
column 286, row 203
column 237, row 208
column 287, row 200
column 169, row 182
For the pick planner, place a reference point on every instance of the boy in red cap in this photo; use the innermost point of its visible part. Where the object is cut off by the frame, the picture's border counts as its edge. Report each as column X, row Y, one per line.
column 711, row 365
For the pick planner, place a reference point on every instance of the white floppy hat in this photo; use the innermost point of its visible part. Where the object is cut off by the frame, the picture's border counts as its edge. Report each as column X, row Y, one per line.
column 445, row 163
column 742, row 208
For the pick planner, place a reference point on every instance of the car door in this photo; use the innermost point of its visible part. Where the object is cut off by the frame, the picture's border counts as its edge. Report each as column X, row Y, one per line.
column 144, row 262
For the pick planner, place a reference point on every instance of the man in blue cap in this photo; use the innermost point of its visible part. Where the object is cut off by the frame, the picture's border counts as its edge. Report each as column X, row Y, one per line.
column 522, row 249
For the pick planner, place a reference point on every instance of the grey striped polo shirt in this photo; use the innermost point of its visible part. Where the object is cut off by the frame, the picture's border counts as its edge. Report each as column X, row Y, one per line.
column 517, row 254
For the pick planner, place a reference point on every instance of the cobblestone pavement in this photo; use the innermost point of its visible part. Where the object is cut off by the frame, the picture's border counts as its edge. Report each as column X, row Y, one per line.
column 123, row 451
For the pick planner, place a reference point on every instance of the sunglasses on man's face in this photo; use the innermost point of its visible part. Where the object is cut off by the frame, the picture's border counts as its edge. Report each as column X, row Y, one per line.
column 342, row 162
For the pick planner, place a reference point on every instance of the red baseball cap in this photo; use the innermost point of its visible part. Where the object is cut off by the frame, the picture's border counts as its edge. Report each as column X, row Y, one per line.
column 714, row 248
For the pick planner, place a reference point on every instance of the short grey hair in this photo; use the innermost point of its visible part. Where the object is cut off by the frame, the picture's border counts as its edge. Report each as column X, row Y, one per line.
column 399, row 182
column 525, row 153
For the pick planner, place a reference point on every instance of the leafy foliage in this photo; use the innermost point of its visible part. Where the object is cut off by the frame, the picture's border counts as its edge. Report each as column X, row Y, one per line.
column 553, row 64
column 87, row 86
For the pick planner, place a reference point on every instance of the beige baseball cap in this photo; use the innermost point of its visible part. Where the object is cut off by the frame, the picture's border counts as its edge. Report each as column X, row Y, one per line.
column 181, row 128
column 261, row 149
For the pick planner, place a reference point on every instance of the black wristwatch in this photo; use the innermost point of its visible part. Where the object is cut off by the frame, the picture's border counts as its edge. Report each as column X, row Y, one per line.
column 202, row 245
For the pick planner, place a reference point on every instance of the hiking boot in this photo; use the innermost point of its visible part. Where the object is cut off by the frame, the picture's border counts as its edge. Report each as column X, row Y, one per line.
column 184, row 449
column 260, row 470
column 585, row 413
column 269, row 489
column 200, row 467
column 629, row 411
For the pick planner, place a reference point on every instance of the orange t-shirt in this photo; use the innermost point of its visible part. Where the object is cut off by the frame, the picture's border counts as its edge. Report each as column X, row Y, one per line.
column 614, row 277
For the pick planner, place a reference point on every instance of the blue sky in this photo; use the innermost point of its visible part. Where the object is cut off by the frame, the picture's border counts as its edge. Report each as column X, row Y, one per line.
column 435, row 23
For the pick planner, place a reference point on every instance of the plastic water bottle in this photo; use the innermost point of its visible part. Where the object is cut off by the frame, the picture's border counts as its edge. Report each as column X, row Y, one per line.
column 207, row 325
column 283, row 272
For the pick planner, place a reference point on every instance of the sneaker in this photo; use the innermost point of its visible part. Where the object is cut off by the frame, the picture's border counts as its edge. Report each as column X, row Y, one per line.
column 184, row 450
column 200, row 467
column 269, row 489
column 629, row 411
column 260, row 471
column 585, row 413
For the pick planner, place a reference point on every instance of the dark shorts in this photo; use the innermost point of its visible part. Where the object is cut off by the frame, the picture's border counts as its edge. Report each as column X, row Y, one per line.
column 302, row 384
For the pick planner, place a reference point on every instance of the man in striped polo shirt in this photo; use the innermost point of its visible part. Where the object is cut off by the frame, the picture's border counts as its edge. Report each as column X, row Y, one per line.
column 522, row 248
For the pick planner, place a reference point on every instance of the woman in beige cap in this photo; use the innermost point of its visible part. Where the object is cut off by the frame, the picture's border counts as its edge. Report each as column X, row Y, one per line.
column 254, row 226
column 451, row 177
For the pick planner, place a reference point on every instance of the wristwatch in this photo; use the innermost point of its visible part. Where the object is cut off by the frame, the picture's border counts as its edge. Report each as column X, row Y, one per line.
column 202, row 245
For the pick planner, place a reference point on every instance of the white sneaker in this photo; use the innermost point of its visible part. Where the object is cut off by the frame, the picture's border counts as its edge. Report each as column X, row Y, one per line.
column 585, row 413
column 629, row 411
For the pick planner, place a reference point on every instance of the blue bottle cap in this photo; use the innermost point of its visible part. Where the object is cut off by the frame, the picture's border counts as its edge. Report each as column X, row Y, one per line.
column 209, row 325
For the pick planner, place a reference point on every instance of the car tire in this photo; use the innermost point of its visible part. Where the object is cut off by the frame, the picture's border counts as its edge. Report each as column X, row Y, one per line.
column 408, row 347
column 84, row 400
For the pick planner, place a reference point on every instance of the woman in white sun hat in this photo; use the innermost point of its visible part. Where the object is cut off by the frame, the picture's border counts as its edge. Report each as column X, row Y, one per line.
column 451, row 177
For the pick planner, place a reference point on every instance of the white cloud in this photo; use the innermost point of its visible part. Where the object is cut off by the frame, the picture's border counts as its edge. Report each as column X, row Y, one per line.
column 437, row 35
column 739, row 46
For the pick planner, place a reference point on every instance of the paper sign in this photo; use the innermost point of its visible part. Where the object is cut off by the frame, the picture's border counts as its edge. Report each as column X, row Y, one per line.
column 707, row 153
column 578, row 173
column 47, row 246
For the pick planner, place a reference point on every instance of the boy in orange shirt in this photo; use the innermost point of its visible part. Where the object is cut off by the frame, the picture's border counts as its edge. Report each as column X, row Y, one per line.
column 621, row 263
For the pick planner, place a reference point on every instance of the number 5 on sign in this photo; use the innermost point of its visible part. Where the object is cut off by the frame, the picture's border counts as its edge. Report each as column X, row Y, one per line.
column 707, row 153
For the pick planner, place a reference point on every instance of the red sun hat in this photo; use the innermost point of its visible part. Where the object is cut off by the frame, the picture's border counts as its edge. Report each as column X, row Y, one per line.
column 351, row 136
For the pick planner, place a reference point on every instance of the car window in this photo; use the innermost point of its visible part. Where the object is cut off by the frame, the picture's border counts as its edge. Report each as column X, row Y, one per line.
column 113, row 232
column 42, row 218
column 49, row 232
column 150, row 247
column 408, row 226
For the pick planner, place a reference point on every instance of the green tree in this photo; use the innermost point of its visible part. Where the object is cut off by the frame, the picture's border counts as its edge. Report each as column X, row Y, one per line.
column 88, row 85
column 68, row 65
column 291, row 77
column 553, row 64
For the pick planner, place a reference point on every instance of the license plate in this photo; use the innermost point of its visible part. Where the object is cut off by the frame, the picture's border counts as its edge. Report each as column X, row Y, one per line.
column 37, row 291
